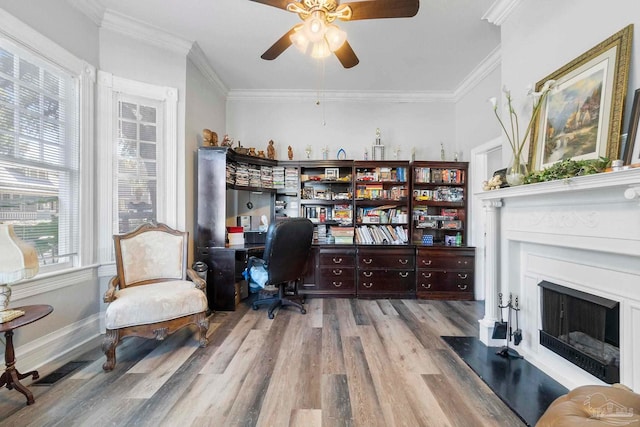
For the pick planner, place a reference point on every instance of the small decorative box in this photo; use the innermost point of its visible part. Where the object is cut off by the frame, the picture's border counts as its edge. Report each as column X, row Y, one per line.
column 427, row 239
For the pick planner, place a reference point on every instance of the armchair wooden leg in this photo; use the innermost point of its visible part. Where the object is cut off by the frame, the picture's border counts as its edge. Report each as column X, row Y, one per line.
column 203, row 328
column 109, row 344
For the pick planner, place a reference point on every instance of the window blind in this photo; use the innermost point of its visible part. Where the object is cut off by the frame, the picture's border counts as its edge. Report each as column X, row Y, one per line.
column 138, row 135
column 39, row 153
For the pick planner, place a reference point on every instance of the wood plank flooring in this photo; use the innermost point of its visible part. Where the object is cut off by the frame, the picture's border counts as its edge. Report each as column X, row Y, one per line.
column 345, row 363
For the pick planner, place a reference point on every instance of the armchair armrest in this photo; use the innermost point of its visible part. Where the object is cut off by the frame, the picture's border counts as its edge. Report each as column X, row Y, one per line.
column 114, row 284
column 197, row 280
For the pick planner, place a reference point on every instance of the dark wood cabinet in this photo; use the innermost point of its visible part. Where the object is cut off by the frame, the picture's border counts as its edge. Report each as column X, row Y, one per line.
column 445, row 273
column 386, row 272
column 334, row 272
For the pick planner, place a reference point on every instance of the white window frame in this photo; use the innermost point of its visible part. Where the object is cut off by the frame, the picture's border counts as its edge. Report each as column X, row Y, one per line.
column 168, row 158
column 39, row 45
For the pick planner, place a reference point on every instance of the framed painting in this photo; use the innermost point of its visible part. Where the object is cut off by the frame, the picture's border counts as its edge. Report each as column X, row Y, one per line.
column 581, row 118
column 632, row 147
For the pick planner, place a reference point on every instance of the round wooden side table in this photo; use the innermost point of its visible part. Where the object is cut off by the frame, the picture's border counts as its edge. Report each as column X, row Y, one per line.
column 11, row 377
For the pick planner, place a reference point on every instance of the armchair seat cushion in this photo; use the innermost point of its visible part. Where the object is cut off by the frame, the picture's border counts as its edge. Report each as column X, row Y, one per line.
column 155, row 302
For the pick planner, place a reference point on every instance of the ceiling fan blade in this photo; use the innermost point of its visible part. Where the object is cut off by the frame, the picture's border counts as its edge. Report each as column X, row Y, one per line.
column 280, row 4
column 347, row 56
column 278, row 47
column 375, row 9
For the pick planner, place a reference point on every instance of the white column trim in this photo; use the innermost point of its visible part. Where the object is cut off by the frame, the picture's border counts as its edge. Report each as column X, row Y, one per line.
column 491, row 257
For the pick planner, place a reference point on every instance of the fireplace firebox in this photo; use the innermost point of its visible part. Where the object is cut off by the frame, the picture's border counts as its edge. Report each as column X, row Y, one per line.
column 583, row 328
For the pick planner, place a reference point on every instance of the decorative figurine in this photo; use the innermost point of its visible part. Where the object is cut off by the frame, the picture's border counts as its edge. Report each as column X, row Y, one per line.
column 252, row 151
column 290, row 153
column 226, row 141
column 325, row 153
column 271, row 150
column 442, row 151
column 209, row 138
column 261, row 154
column 308, row 151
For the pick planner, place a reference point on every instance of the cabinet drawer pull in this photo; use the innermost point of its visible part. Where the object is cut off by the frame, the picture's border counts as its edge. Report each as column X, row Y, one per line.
column 404, row 274
column 337, row 284
column 463, row 262
column 403, row 261
column 367, row 260
column 427, row 262
column 368, row 273
column 462, row 287
column 427, row 286
column 463, row 276
column 337, row 271
column 367, row 285
column 426, row 275
column 337, row 260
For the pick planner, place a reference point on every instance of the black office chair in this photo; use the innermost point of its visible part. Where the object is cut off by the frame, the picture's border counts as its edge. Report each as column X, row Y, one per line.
column 285, row 255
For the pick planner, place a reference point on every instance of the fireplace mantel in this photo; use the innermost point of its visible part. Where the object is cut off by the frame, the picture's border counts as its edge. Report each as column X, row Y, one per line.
column 625, row 180
column 583, row 233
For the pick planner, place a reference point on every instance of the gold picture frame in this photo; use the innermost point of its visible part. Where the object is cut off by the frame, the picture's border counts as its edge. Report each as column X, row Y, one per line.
column 582, row 116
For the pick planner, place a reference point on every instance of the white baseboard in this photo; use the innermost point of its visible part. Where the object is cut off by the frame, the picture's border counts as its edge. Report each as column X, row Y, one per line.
column 59, row 347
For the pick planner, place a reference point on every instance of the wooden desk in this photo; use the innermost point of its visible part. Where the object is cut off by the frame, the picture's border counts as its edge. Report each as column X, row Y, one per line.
column 224, row 276
column 11, row 377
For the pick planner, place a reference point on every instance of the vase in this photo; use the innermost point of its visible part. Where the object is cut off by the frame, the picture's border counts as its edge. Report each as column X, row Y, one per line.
column 5, row 296
column 516, row 172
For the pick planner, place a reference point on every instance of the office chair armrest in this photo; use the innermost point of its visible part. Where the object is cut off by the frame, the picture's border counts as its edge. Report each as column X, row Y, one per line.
column 114, row 284
column 197, row 280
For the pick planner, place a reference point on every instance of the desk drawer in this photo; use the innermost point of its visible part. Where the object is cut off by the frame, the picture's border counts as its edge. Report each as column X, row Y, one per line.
column 336, row 258
column 375, row 282
column 392, row 258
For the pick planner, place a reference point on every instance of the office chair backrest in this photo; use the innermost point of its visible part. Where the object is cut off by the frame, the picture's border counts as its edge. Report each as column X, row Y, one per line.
column 287, row 249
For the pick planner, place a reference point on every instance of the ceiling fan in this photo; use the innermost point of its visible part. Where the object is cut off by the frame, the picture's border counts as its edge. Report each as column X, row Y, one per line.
column 318, row 32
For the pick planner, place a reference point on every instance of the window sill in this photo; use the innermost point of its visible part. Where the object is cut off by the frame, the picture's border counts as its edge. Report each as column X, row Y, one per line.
column 52, row 281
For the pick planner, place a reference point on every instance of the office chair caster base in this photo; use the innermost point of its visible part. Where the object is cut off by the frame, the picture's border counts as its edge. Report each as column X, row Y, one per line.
column 303, row 311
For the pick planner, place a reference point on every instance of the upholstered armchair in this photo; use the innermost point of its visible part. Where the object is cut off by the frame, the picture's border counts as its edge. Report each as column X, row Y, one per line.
column 150, row 296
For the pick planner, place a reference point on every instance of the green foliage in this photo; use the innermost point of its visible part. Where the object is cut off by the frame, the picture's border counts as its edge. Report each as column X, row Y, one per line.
column 568, row 169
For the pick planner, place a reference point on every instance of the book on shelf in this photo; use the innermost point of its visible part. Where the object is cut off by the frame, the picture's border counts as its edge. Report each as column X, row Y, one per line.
column 381, row 234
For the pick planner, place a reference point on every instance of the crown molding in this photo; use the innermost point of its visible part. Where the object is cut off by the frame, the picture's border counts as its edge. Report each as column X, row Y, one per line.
column 197, row 56
column 479, row 73
column 340, row 96
column 144, row 32
column 93, row 9
column 500, row 11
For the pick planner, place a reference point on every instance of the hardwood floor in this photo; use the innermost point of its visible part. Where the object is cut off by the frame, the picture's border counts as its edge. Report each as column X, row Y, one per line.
column 344, row 363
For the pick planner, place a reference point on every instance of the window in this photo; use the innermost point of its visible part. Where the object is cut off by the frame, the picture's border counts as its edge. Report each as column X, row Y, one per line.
column 139, row 172
column 136, row 152
column 39, row 153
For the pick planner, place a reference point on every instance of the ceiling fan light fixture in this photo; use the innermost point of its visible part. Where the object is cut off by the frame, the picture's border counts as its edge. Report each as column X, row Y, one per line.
column 315, row 27
column 320, row 50
column 299, row 40
column 335, row 37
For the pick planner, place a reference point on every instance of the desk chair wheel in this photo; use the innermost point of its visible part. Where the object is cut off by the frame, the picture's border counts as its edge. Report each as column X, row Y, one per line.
column 271, row 316
column 303, row 311
column 255, row 307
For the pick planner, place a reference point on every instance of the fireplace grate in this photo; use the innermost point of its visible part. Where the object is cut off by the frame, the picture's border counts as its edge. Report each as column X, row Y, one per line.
column 607, row 373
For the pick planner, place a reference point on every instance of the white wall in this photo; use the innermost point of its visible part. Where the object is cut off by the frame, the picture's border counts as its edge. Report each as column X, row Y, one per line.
column 475, row 121
column 70, row 28
column 204, row 108
column 343, row 123
column 541, row 36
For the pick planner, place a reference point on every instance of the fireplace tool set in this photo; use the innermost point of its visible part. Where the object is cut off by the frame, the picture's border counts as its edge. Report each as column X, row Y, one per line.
column 504, row 330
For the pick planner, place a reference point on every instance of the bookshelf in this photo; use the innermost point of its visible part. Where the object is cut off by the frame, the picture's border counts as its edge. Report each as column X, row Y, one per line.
column 439, row 203
column 381, row 202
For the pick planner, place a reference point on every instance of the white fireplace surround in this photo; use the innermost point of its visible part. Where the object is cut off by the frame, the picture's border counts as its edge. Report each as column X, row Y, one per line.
column 582, row 233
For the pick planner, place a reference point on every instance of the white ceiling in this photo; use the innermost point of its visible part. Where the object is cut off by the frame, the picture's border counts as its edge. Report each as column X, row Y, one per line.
column 431, row 52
